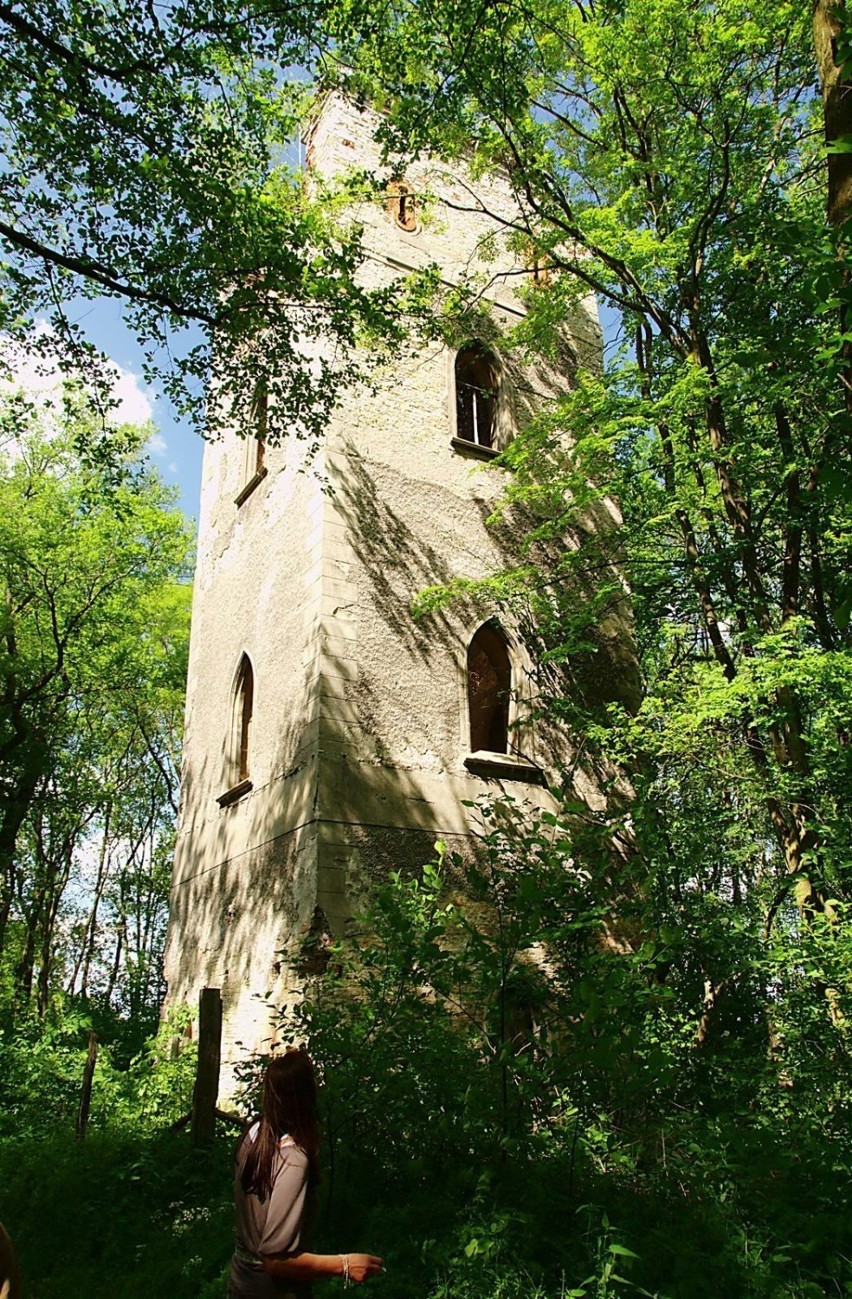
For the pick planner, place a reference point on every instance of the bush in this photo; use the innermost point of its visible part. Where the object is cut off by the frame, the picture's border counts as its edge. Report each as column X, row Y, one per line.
column 493, row 1130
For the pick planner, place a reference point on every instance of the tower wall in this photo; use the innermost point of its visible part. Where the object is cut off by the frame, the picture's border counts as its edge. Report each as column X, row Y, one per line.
column 360, row 731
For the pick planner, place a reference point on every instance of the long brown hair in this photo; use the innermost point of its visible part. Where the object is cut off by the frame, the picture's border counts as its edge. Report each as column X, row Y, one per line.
column 289, row 1107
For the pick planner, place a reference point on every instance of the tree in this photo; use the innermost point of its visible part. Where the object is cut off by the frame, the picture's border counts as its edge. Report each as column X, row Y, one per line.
column 94, row 630
column 831, row 44
column 668, row 158
column 671, row 159
column 150, row 157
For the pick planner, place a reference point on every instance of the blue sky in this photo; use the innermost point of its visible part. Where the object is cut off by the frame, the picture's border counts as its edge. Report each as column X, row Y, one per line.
column 177, row 449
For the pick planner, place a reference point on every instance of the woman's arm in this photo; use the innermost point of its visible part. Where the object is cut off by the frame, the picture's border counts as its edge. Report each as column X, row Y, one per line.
column 308, row 1267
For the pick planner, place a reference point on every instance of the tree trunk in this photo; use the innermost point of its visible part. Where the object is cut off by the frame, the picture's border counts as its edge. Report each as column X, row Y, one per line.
column 84, row 960
column 86, row 1091
column 58, row 865
column 16, row 807
column 116, row 962
column 829, row 23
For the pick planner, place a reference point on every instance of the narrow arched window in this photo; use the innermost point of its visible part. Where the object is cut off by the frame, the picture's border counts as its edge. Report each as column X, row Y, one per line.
column 401, row 205
column 540, row 272
column 243, row 710
column 538, row 264
column 260, row 423
column 489, row 687
column 477, row 380
column 254, row 442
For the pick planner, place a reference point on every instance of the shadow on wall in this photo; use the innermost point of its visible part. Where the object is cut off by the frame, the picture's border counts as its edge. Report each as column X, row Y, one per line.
column 245, row 913
column 397, row 562
column 601, row 667
column 533, row 385
column 234, row 862
column 250, row 894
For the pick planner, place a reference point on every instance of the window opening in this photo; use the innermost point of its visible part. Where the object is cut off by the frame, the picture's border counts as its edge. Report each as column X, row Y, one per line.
column 540, row 272
column 402, row 205
column 538, row 264
column 244, row 711
column 476, row 395
column 489, row 686
column 260, row 423
column 254, row 442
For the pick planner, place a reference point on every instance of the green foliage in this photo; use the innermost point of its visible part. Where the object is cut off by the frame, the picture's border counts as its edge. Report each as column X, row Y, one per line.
column 42, row 1068
column 669, row 157
column 516, row 1102
column 611, row 1056
column 148, row 159
column 134, row 1208
column 93, row 644
column 129, row 1214
column 131, row 1210
column 155, row 157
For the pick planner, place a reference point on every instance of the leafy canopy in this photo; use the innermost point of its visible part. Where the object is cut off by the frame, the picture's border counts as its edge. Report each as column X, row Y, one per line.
column 152, row 156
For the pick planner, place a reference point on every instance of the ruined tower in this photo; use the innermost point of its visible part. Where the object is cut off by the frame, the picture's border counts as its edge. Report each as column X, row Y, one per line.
column 329, row 737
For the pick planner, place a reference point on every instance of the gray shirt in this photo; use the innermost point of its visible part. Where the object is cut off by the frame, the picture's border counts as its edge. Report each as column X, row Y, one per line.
column 274, row 1227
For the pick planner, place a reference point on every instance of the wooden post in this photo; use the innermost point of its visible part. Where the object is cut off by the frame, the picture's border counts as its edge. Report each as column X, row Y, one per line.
column 86, row 1092
column 206, row 1090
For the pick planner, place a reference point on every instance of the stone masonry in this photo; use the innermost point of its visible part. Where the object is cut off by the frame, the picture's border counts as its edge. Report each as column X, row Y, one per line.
column 359, row 730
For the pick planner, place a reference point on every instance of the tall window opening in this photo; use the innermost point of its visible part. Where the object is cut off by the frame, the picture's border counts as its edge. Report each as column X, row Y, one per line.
column 260, row 424
column 538, row 264
column 540, row 272
column 489, row 688
column 244, row 708
column 477, row 380
column 254, row 442
column 401, row 205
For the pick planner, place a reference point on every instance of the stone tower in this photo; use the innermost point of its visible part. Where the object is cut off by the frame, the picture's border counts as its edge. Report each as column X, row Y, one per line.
column 329, row 737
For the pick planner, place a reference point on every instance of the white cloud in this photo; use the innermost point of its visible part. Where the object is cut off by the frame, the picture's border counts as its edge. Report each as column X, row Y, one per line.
column 42, row 379
column 157, row 444
column 134, row 404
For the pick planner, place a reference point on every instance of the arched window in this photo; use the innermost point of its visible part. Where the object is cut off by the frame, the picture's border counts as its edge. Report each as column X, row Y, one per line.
column 401, row 205
column 477, row 381
column 489, row 688
column 540, row 272
column 538, row 264
column 243, row 709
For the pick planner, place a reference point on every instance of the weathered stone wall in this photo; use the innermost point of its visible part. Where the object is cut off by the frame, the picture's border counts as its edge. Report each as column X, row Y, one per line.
column 244, row 872
column 460, row 224
column 360, row 729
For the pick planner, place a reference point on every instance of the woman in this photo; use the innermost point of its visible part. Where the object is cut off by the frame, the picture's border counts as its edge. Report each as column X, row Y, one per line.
column 276, row 1173
column 10, row 1279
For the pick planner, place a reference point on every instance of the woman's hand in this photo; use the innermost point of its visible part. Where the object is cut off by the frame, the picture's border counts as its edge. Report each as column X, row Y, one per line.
column 363, row 1266
column 305, row 1267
